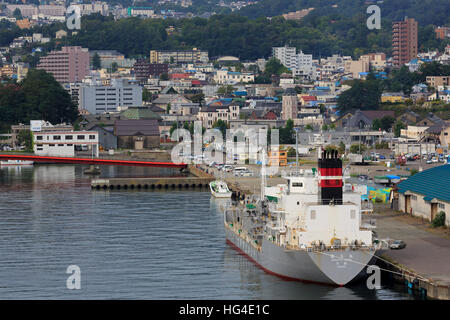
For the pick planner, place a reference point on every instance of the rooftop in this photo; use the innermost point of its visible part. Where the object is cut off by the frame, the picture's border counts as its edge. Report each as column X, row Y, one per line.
column 433, row 183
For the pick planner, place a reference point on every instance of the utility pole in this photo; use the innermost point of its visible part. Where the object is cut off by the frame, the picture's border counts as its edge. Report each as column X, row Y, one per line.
column 296, row 150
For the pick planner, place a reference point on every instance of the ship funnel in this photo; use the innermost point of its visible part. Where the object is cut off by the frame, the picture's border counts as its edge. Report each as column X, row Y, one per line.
column 330, row 169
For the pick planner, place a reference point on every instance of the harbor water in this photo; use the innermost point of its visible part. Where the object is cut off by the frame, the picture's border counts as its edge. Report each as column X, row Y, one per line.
column 130, row 244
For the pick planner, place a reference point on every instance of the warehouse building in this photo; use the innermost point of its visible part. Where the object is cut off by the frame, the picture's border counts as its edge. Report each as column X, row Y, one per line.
column 426, row 193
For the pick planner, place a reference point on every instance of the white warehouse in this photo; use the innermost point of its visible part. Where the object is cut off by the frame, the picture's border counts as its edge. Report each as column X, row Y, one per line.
column 63, row 143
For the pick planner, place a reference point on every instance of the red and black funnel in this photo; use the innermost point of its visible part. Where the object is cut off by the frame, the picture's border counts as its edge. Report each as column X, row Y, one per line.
column 330, row 183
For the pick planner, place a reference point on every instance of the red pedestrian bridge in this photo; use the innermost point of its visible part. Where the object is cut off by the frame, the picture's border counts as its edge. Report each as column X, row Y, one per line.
column 94, row 161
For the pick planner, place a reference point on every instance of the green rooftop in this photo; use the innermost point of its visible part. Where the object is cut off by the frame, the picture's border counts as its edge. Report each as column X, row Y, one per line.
column 433, row 183
column 140, row 113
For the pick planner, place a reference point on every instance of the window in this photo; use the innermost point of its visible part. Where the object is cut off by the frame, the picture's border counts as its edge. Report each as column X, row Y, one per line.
column 38, row 137
column 56, row 137
column 69, row 137
column 80, row 137
column 51, row 145
column 297, row 184
column 60, row 145
column 441, row 206
column 91, row 137
column 413, row 197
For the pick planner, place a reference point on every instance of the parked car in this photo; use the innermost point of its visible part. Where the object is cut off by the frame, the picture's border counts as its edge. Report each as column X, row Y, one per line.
column 397, row 244
column 227, row 168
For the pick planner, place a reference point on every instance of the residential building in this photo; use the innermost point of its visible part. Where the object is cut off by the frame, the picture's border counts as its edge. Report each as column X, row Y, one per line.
column 179, row 56
column 289, row 104
column 392, row 97
column 356, row 67
column 426, row 193
column 442, row 32
column 229, row 77
column 377, row 61
column 437, row 81
column 144, row 69
column 404, row 41
column 70, row 64
column 210, row 114
column 286, row 55
column 96, row 98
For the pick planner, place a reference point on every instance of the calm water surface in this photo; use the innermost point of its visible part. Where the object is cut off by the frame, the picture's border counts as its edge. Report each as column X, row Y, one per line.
column 128, row 244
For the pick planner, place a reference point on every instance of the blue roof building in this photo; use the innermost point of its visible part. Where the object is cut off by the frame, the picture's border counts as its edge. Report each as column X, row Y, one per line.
column 426, row 193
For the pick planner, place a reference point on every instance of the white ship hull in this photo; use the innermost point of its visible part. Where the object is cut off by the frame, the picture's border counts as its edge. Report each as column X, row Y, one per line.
column 337, row 267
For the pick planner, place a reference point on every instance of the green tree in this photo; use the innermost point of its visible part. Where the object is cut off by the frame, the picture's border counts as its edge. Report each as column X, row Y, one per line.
column 168, row 107
column 287, row 133
column 364, row 95
column 376, row 124
column 114, row 67
column 439, row 220
column 17, row 14
column 25, row 138
column 198, row 98
column 164, row 77
column 96, row 62
column 386, row 123
column 225, row 90
column 146, row 95
column 357, row 148
column 38, row 96
column 398, row 127
column 274, row 66
column 341, row 147
column 221, row 125
column 324, row 127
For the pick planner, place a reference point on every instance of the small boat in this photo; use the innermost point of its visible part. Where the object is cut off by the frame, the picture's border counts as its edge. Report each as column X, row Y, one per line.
column 16, row 163
column 219, row 189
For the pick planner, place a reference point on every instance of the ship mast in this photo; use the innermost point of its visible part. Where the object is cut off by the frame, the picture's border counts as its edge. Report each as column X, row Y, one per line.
column 263, row 174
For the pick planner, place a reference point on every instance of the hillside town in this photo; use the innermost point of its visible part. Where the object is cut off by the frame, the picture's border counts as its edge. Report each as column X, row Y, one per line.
column 386, row 115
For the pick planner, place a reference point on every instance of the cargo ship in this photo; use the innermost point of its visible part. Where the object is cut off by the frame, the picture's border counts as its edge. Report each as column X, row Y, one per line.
column 308, row 229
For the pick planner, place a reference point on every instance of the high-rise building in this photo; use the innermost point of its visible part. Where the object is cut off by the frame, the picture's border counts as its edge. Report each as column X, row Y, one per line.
column 404, row 41
column 97, row 99
column 71, row 64
column 298, row 63
column 290, row 104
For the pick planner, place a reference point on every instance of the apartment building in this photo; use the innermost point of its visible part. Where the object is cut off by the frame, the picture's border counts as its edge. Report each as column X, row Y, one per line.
column 228, row 77
column 96, row 98
column 404, row 41
column 298, row 63
column 179, row 56
column 210, row 114
column 438, row 81
column 70, row 64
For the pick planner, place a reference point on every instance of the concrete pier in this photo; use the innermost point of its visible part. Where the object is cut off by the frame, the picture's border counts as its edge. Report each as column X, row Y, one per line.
column 152, row 183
